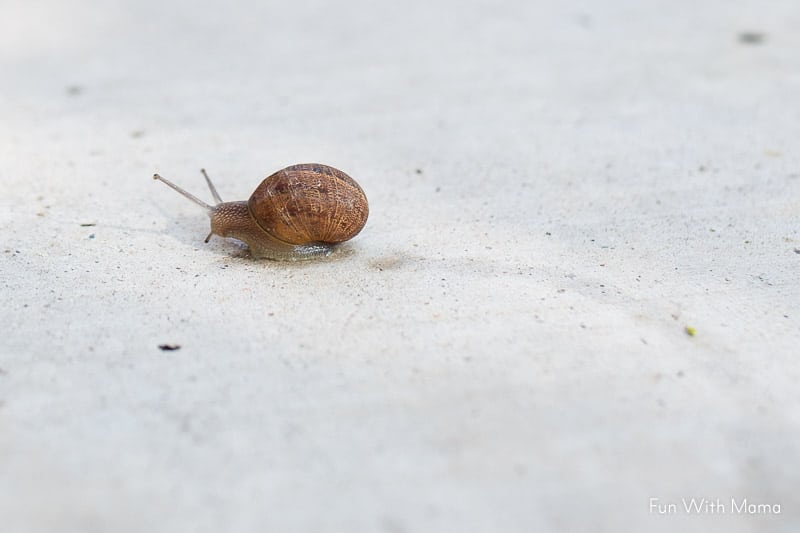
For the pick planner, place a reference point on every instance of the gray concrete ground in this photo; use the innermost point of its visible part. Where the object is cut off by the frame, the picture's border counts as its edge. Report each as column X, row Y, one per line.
column 558, row 190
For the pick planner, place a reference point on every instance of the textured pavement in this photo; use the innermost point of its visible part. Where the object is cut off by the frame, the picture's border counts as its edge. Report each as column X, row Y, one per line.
column 559, row 193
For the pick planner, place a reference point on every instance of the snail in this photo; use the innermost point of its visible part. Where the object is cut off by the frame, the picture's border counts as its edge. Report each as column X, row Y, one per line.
column 300, row 212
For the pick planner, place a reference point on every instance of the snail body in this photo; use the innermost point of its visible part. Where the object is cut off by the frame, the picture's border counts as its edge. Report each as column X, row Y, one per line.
column 300, row 212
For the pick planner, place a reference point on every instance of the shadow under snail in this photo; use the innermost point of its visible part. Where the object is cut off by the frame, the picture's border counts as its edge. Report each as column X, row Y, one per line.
column 300, row 212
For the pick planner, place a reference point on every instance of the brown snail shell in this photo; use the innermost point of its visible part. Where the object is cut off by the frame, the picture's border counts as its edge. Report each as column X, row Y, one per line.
column 309, row 203
column 299, row 212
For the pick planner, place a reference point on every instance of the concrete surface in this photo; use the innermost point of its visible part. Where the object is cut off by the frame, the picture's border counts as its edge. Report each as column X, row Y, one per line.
column 558, row 189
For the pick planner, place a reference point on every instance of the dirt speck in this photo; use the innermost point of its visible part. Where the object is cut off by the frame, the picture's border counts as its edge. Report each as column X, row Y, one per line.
column 752, row 37
column 169, row 347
